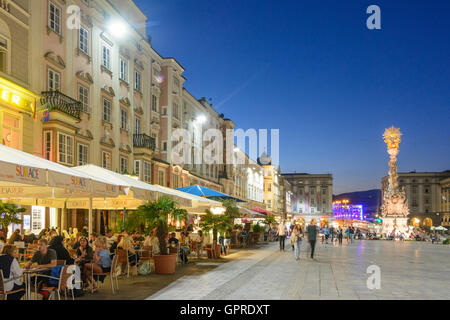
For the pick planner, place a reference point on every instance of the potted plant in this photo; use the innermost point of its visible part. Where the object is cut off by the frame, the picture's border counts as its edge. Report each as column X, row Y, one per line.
column 156, row 214
column 258, row 231
column 8, row 215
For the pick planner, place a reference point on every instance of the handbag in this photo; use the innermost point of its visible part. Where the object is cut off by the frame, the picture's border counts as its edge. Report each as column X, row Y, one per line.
column 144, row 269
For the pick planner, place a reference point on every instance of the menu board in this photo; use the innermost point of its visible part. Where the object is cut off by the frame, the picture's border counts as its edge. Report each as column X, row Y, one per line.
column 37, row 219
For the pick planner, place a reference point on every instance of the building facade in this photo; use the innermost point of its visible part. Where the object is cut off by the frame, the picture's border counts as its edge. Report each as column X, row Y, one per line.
column 424, row 194
column 312, row 195
column 445, row 201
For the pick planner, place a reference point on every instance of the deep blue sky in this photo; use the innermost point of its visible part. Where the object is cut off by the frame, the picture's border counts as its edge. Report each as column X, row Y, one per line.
column 312, row 69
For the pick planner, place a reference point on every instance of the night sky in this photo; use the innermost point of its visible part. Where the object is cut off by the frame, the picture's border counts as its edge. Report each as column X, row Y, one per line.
column 313, row 70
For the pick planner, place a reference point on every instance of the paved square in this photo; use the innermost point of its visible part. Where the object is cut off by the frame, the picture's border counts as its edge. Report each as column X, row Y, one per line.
column 409, row 270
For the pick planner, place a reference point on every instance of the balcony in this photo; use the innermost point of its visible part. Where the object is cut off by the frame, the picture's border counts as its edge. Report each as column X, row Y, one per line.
column 144, row 141
column 59, row 101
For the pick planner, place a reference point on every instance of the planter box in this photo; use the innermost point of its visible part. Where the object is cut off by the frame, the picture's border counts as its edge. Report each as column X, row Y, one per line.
column 165, row 264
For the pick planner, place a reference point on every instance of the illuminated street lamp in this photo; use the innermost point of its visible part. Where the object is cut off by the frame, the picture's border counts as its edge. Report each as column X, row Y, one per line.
column 201, row 119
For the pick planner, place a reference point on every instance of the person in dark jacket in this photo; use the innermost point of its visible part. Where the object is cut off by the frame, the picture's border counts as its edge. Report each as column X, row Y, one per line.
column 61, row 252
column 11, row 273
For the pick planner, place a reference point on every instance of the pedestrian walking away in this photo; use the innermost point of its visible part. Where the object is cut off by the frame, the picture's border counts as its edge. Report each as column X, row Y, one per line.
column 311, row 231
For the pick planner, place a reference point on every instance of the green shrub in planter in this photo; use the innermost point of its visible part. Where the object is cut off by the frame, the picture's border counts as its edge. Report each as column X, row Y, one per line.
column 257, row 228
column 446, row 241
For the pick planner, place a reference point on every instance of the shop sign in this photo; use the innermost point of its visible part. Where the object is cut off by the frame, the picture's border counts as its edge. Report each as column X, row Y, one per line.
column 17, row 96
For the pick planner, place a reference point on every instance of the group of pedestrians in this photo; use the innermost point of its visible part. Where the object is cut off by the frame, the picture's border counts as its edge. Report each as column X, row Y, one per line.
column 311, row 233
column 296, row 236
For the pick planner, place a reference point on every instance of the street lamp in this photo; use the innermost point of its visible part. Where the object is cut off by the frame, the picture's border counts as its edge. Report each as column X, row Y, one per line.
column 201, row 119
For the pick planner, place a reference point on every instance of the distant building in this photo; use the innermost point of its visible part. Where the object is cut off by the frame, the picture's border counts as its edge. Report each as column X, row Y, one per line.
column 312, row 195
column 445, row 202
column 423, row 191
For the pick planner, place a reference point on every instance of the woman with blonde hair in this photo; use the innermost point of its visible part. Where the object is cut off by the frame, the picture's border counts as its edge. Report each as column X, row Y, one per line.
column 101, row 263
column 126, row 243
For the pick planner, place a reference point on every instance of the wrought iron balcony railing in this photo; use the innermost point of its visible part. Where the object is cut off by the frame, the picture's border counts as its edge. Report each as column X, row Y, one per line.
column 144, row 141
column 59, row 101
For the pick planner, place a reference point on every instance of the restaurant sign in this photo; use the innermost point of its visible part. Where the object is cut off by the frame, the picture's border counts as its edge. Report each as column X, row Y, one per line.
column 14, row 95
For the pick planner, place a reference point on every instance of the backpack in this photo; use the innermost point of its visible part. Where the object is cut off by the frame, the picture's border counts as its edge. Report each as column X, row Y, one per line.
column 56, row 273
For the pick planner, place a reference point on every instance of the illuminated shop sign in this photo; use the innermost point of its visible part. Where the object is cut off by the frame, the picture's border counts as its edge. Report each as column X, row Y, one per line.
column 17, row 96
column 346, row 211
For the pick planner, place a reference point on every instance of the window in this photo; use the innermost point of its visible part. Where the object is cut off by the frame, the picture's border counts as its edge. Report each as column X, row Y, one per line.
column 123, row 74
column 3, row 55
column 124, row 119
column 147, row 172
column 83, row 151
column 106, row 110
column 106, row 57
column 84, row 40
column 161, row 178
column 176, row 111
column 269, row 188
column 54, row 17
column 137, row 81
column 106, row 160
column 164, row 111
column 137, row 125
column 48, row 145
column 164, row 146
column 154, row 103
column 137, row 168
column 54, row 80
column 324, row 191
column 176, row 82
column 65, row 150
column 123, row 165
column 83, row 97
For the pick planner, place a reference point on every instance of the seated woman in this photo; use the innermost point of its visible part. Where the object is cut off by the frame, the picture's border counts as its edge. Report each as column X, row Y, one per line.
column 101, row 262
column 11, row 272
column 85, row 254
column 61, row 252
column 127, row 244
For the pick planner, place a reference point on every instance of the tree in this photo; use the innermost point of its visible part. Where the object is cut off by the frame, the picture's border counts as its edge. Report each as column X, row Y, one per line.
column 220, row 223
column 8, row 214
column 156, row 214
column 270, row 218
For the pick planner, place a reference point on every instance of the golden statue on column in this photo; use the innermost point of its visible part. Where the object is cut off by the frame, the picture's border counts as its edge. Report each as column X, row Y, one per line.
column 394, row 209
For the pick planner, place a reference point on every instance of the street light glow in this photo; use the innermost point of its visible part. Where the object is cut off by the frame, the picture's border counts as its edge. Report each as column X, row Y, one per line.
column 117, row 29
column 201, row 119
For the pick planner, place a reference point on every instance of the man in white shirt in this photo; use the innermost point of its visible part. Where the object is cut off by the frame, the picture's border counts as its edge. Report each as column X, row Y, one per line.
column 110, row 239
column 282, row 234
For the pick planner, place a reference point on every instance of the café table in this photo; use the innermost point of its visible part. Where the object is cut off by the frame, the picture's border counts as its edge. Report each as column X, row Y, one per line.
column 27, row 273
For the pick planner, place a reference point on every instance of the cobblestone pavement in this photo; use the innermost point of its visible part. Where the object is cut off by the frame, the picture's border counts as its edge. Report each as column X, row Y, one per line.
column 409, row 270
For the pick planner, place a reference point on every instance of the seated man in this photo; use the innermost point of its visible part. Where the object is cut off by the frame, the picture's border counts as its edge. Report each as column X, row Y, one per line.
column 173, row 241
column 45, row 258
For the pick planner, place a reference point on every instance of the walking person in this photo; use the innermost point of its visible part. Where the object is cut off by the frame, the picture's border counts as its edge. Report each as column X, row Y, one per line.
column 296, row 240
column 352, row 234
column 340, row 235
column 291, row 229
column 347, row 234
column 311, row 231
column 282, row 234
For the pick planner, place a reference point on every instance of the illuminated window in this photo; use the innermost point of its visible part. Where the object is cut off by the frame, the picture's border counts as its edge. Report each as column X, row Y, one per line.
column 83, row 151
column 65, row 149
column 106, row 160
column 54, row 17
